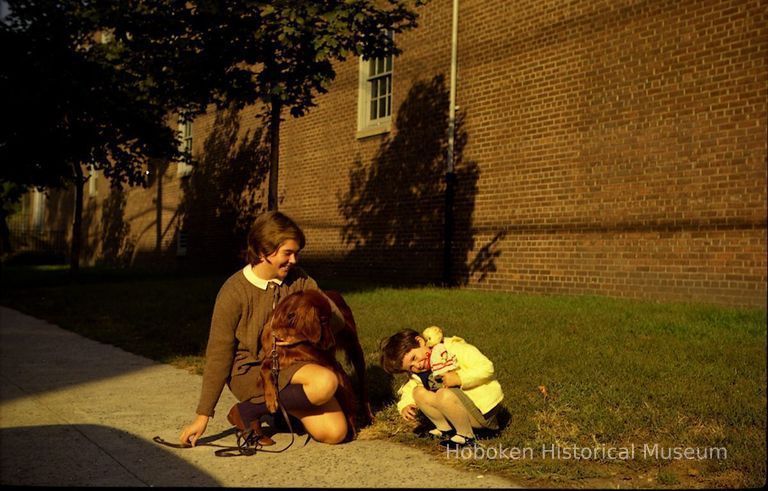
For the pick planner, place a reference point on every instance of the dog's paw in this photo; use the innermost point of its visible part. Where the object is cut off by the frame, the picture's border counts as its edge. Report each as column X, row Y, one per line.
column 271, row 406
column 270, row 398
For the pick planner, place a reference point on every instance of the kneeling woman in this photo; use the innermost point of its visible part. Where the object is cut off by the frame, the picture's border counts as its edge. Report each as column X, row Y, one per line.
column 242, row 308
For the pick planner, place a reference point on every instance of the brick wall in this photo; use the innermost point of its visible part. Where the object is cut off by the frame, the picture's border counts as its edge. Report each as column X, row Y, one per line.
column 373, row 207
column 213, row 204
column 612, row 148
column 622, row 147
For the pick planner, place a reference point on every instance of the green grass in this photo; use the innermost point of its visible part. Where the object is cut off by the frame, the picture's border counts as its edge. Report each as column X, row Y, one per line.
column 616, row 372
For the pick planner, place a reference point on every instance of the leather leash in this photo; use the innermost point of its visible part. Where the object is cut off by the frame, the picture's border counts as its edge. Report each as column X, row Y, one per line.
column 243, row 449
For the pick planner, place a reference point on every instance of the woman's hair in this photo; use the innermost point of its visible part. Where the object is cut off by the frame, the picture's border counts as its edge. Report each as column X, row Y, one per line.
column 395, row 347
column 268, row 232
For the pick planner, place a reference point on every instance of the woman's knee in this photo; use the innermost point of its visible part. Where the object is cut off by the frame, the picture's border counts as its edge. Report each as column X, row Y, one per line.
column 326, row 424
column 331, row 434
column 319, row 383
column 323, row 387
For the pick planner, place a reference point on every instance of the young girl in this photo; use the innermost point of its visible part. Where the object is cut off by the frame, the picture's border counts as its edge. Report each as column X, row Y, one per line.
column 470, row 395
column 242, row 307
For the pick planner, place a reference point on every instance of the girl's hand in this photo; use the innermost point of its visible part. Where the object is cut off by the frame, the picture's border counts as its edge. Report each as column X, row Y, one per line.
column 409, row 412
column 451, row 379
column 192, row 432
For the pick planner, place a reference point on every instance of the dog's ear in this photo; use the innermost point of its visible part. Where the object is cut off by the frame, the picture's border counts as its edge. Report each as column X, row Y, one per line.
column 323, row 336
column 303, row 317
column 284, row 321
column 327, row 339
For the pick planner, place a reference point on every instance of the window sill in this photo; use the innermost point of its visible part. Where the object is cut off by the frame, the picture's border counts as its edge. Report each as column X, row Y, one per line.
column 374, row 130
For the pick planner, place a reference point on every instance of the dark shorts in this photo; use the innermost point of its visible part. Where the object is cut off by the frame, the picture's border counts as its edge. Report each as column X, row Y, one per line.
column 248, row 386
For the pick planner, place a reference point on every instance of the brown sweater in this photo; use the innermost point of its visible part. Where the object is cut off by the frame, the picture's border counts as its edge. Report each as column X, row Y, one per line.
column 240, row 312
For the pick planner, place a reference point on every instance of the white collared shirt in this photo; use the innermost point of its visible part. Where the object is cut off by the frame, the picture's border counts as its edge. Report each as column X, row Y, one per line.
column 256, row 281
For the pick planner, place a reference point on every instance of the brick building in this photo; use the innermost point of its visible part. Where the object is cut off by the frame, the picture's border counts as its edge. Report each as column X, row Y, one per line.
column 611, row 148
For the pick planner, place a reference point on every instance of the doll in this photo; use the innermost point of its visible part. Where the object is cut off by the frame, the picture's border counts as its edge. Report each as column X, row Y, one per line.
column 441, row 360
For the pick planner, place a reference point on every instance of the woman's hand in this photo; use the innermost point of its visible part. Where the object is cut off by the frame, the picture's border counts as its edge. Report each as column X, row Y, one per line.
column 451, row 379
column 409, row 412
column 192, row 432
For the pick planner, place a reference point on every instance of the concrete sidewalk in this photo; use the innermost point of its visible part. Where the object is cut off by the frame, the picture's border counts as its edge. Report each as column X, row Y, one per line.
column 75, row 412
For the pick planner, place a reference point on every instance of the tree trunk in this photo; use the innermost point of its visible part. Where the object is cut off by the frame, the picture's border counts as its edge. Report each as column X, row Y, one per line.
column 158, row 210
column 274, row 152
column 5, row 233
column 77, row 224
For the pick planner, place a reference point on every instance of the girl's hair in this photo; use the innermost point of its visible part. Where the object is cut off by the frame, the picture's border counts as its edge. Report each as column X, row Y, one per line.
column 394, row 348
column 268, row 232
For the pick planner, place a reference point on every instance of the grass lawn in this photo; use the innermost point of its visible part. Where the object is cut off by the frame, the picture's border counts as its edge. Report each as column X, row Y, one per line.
column 594, row 377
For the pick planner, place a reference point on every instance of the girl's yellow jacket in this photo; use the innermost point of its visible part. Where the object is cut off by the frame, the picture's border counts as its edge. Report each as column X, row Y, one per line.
column 476, row 372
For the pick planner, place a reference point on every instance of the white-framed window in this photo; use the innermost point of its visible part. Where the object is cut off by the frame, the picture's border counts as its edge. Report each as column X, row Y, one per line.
column 374, row 107
column 93, row 189
column 185, row 130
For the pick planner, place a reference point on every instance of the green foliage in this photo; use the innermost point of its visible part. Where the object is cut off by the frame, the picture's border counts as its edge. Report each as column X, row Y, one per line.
column 239, row 52
column 303, row 39
column 93, row 83
column 72, row 101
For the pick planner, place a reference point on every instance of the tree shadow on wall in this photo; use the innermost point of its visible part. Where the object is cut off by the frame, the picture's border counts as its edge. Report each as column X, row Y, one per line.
column 116, row 246
column 484, row 262
column 223, row 194
column 59, row 211
column 394, row 208
column 91, row 238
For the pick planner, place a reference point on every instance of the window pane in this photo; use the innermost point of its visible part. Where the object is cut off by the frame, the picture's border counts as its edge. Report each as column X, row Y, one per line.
column 371, row 67
column 389, row 105
column 380, row 67
column 373, row 109
column 375, row 88
column 382, row 107
column 389, row 63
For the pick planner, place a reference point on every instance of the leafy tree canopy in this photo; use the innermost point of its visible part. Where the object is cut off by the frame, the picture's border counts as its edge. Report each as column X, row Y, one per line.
column 70, row 100
column 92, row 81
column 243, row 51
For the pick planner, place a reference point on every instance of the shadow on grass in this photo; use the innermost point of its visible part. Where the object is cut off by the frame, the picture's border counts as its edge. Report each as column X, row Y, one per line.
column 379, row 387
column 141, row 311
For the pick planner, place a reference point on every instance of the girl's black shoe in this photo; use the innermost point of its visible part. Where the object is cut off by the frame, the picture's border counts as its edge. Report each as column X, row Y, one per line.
column 459, row 441
column 442, row 434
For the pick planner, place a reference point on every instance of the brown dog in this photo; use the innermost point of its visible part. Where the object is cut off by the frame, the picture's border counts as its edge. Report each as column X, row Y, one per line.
column 300, row 330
